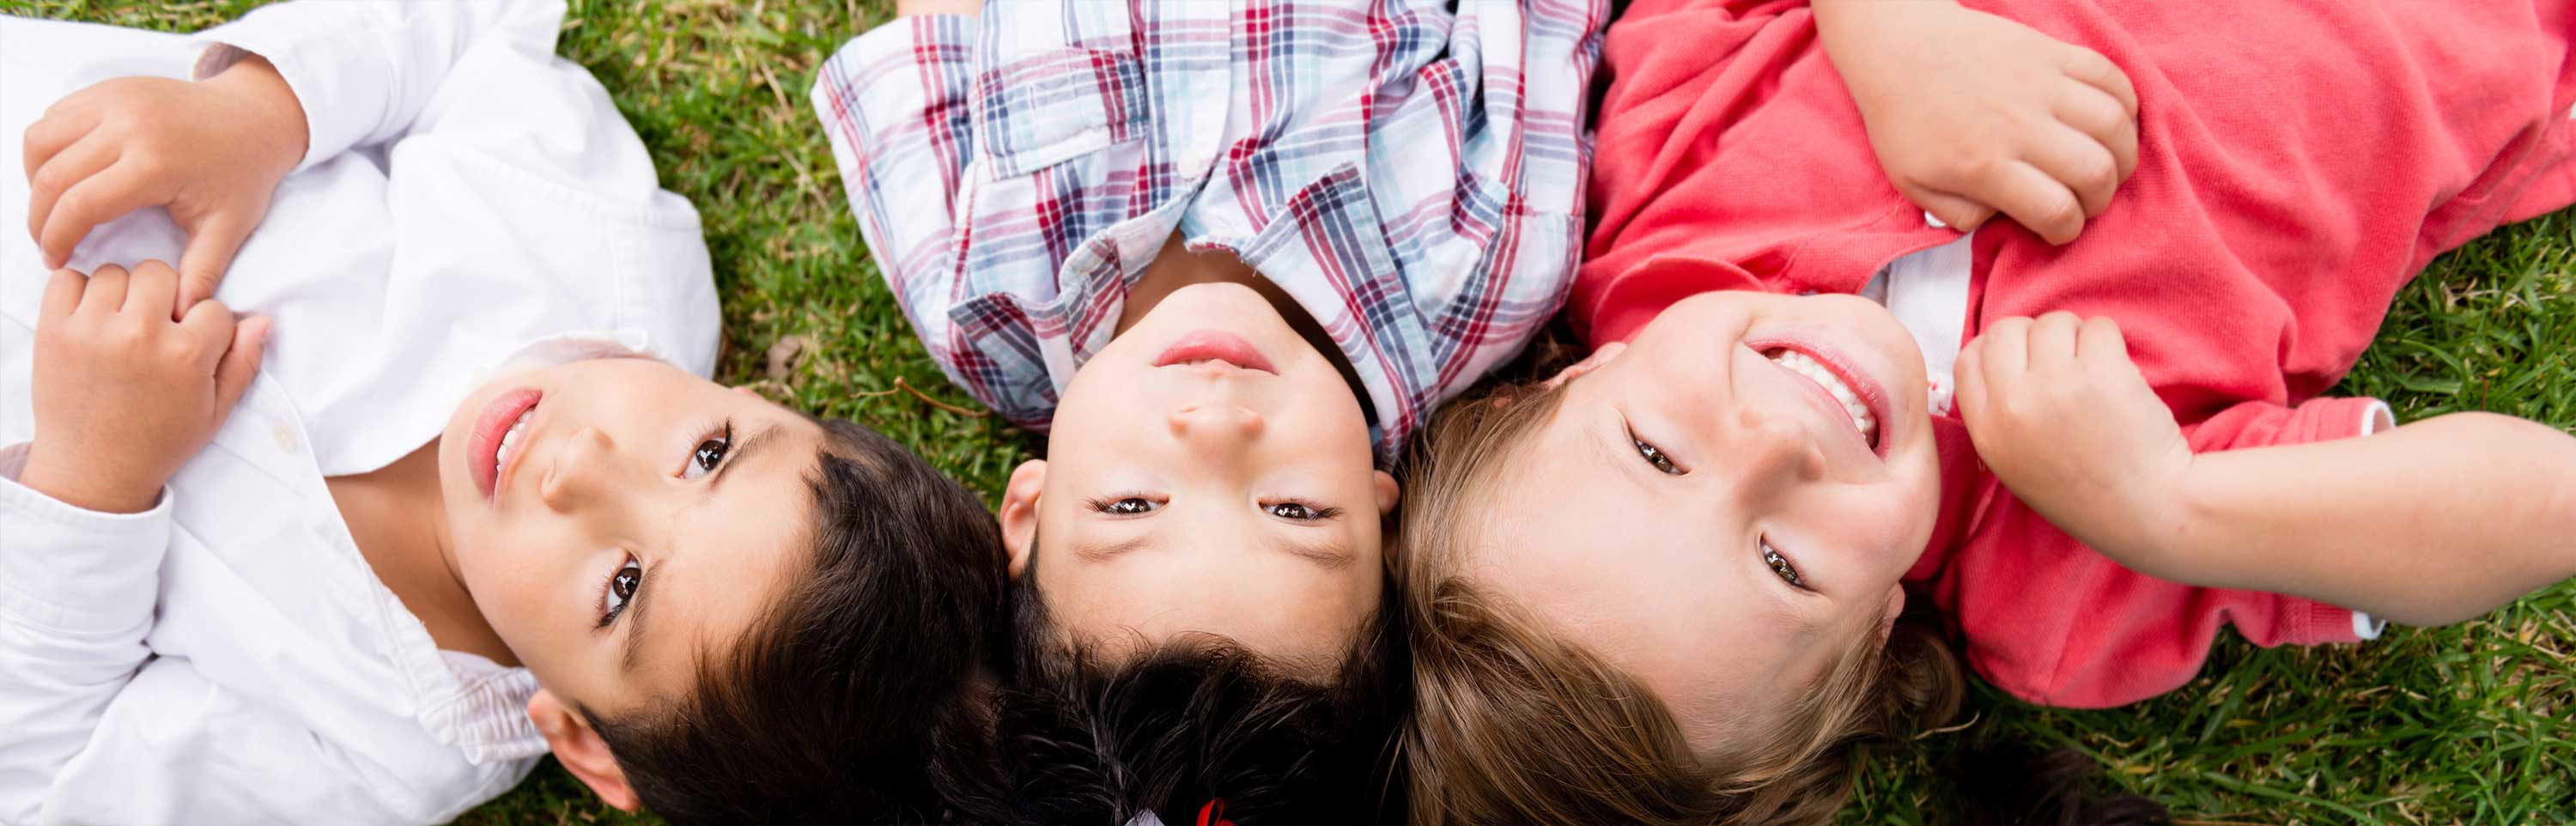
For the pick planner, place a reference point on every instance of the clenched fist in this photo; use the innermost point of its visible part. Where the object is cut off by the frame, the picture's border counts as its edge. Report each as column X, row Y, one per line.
column 2064, row 418
column 123, row 395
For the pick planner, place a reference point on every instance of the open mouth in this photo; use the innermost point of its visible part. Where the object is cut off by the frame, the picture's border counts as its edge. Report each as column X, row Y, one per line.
column 1855, row 398
column 498, row 434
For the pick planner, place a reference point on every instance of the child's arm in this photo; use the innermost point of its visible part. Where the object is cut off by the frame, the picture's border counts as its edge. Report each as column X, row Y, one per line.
column 122, row 397
column 1972, row 114
column 287, row 86
column 894, row 104
column 2427, row 524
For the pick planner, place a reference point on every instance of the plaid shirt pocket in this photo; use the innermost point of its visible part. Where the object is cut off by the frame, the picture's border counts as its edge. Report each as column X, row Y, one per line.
column 1051, row 87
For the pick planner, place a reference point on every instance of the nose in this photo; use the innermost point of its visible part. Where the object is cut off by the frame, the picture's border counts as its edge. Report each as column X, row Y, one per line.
column 580, row 472
column 1215, row 424
column 1775, row 448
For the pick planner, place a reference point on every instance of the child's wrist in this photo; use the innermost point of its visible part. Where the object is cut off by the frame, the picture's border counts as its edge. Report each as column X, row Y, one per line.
column 89, row 489
column 257, row 83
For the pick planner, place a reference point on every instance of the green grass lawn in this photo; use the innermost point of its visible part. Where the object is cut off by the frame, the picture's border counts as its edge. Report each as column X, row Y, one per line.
column 2470, row 723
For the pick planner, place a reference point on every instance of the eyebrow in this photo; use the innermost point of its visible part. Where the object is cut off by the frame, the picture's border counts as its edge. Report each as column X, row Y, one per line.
column 741, row 453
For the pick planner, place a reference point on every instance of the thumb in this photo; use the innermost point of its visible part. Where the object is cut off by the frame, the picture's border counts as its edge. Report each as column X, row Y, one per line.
column 233, row 374
column 1958, row 213
column 210, row 251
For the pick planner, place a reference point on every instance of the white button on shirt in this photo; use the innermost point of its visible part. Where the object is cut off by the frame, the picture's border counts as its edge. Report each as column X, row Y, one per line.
column 229, row 656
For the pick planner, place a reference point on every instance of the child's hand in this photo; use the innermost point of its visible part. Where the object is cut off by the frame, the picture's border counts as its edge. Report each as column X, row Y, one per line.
column 1972, row 114
column 123, row 395
column 211, row 151
column 2063, row 417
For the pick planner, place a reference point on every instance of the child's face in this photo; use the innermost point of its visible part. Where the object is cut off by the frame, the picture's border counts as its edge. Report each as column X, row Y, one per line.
column 1709, row 519
column 623, row 533
column 1207, row 472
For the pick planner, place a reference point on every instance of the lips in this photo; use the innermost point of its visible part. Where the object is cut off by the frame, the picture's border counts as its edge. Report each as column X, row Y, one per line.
column 502, row 424
column 1211, row 346
column 1843, row 390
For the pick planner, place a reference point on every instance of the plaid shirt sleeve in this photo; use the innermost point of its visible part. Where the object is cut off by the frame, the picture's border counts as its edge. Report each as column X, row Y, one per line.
column 895, row 104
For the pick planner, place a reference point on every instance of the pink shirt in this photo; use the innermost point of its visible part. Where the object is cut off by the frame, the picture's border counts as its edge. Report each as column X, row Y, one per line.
column 2299, row 163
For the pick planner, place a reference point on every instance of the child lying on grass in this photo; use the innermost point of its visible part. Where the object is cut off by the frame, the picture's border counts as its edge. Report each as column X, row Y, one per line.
column 458, row 492
column 1228, row 256
column 1663, row 585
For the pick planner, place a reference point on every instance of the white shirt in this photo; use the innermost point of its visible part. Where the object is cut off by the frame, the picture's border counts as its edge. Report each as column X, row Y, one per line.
column 229, row 656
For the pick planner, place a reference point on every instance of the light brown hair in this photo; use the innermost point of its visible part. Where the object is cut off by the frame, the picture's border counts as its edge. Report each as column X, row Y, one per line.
column 1513, row 724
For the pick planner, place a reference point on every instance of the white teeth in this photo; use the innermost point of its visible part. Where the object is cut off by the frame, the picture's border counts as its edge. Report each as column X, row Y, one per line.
column 501, row 454
column 1807, row 366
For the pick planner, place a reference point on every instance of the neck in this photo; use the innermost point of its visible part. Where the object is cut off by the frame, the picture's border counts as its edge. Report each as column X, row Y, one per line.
column 1176, row 266
column 398, row 515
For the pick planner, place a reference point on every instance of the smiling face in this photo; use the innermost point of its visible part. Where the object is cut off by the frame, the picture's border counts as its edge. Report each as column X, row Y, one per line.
column 1208, row 472
column 615, row 518
column 1723, row 505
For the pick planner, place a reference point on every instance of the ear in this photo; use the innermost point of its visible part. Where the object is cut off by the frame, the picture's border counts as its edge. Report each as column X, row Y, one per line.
column 1387, row 493
column 1600, row 355
column 580, row 750
column 1895, row 606
column 1020, row 513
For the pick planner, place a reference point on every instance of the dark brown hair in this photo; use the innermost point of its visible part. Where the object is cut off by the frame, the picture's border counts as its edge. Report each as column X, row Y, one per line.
column 855, row 694
column 1087, row 738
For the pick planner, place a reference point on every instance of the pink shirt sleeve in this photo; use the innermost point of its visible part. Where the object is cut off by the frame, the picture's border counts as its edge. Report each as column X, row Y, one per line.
column 2053, row 622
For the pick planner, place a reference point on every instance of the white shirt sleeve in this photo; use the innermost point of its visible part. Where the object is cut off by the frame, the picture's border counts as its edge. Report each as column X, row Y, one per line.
column 363, row 71
column 76, row 594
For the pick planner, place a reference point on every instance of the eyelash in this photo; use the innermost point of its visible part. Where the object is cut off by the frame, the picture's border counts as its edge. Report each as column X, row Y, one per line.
column 1656, row 456
column 720, row 435
column 608, row 590
column 1106, row 504
column 1780, row 564
column 1316, row 514
column 1103, row 504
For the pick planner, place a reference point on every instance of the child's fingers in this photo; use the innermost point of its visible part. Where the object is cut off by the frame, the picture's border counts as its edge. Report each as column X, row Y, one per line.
column 2091, row 67
column 98, row 199
column 1968, row 381
column 2052, row 340
column 105, row 293
column 211, row 247
column 211, row 327
column 241, row 361
column 61, row 172
column 2037, row 200
column 1953, row 211
column 151, row 284
column 2080, row 162
column 51, row 134
column 2006, row 346
column 63, row 293
column 2093, row 112
column 2099, row 341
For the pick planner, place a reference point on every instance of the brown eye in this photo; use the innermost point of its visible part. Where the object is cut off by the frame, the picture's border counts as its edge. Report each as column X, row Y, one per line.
column 620, row 591
column 1780, row 565
column 709, row 453
column 1130, row 506
column 1655, row 456
column 1294, row 510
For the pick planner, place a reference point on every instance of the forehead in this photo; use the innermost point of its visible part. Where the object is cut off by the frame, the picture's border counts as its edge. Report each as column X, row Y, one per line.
column 1180, row 579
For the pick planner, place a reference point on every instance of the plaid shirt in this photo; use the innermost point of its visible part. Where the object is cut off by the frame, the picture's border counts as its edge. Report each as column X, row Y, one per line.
column 1411, row 175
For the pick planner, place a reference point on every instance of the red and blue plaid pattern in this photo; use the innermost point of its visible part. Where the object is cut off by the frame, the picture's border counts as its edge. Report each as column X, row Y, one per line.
column 1410, row 173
